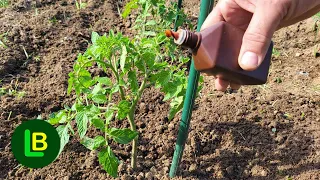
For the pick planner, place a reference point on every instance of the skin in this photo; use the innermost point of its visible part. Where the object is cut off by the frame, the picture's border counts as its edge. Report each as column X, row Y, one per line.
column 259, row 19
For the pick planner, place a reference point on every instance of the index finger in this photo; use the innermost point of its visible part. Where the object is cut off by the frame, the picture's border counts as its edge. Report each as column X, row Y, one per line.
column 214, row 17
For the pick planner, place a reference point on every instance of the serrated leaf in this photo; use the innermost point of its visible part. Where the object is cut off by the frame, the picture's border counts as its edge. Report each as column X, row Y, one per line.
column 99, row 98
column 175, row 106
column 109, row 116
column 123, row 109
column 161, row 78
column 105, row 81
column 132, row 76
column 94, row 37
column 60, row 117
column 109, row 161
column 149, row 33
column 64, row 136
column 97, row 89
column 82, row 123
column 70, row 82
column 133, row 4
column 171, row 90
column 93, row 144
column 122, row 136
column 151, row 23
column 98, row 123
column 123, row 57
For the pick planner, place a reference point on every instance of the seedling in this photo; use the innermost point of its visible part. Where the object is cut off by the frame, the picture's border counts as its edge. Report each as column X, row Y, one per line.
column 133, row 65
column 278, row 80
column 3, row 40
column 80, row 5
column 12, row 90
column 275, row 52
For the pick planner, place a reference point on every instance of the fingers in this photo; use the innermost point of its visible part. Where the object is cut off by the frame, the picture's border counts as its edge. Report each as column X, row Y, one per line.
column 257, row 37
column 214, row 17
column 222, row 85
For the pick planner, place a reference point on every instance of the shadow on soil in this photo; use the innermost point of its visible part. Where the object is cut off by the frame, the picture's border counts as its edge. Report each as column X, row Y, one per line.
column 245, row 150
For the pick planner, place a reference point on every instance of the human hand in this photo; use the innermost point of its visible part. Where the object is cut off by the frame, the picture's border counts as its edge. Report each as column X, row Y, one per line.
column 259, row 19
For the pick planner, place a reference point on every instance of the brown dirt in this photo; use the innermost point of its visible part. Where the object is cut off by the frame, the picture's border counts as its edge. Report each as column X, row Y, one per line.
column 230, row 136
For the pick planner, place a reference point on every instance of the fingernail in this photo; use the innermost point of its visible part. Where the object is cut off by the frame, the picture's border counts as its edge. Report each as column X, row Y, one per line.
column 250, row 59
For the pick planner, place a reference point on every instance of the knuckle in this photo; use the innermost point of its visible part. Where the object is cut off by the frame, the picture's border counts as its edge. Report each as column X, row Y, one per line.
column 255, row 37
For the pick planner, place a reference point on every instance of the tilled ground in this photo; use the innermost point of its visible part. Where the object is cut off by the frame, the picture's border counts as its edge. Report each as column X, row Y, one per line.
column 261, row 132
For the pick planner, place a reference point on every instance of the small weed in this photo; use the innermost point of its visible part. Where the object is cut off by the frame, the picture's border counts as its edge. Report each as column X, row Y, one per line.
column 12, row 90
column 80, row 5
column 287, row 116
column 302, row 115
column 37, row 58
column 3, row 40
column 289, row 178
column 316, row 87
column 53, row 20
column 278, row 80
column 275, row 52
column 4, row 3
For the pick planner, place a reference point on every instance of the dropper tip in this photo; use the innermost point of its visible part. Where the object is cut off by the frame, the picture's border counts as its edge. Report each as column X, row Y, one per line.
column 170, row 33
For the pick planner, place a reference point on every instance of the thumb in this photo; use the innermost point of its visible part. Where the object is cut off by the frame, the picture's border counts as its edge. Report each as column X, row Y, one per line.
column 257, row 38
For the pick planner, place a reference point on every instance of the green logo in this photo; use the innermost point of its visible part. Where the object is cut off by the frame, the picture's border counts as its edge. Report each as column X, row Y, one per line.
column 35, row 143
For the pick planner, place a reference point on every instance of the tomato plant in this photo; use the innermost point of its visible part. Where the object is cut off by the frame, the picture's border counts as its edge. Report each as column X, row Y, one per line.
column 128, row 66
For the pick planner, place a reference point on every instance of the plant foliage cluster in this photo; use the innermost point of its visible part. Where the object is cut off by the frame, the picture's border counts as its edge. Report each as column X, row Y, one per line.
column 132, row 65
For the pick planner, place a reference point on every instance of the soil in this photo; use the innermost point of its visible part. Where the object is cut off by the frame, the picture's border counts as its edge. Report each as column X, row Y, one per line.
column 260, row 132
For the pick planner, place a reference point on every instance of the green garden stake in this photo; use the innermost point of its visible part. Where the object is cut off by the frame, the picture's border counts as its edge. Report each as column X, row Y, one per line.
column 205, row 8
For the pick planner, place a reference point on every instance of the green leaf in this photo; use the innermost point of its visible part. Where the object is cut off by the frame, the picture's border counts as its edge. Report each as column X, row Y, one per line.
column 64, row 136
column 97, row 89
column 60, row 117
column 123, row 109
column 175, row 106
column 93, row 144
column 149, row 33
column 94, row 37
column 82, row 123
column 98, row 123
column 105, row 81
column 132, row 75
column 161, row 78
column 99, row 98
column 109, row 161
column 133, row 4
column 123, row 57
column 109, row 116
column 151, row 23
column 122, row 136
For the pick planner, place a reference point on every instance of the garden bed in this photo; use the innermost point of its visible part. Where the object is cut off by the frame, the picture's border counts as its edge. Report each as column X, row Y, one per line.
column 268, row 132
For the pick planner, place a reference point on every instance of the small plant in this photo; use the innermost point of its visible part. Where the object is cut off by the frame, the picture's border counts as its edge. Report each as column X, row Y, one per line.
column 80, row 4
column 275, row 52
column 4, row 3
column 278, row 80
column 12, row 90
column 3, row 40
column 128, row 67
column 53, row 20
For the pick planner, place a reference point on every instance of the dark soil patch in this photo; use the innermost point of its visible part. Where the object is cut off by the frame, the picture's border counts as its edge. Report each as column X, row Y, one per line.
column 262, row 132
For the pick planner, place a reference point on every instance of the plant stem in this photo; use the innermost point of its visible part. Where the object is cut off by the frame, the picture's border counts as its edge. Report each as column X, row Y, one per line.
column 132, row 123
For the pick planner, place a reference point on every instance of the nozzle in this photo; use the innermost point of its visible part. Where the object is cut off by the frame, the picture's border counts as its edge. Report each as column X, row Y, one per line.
column 173, row 34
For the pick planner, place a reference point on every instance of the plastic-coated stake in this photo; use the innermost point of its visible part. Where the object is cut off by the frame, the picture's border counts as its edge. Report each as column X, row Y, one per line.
column 205, row 8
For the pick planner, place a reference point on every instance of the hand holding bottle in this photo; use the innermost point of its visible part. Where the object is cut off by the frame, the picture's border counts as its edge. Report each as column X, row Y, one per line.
column 259, row 19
